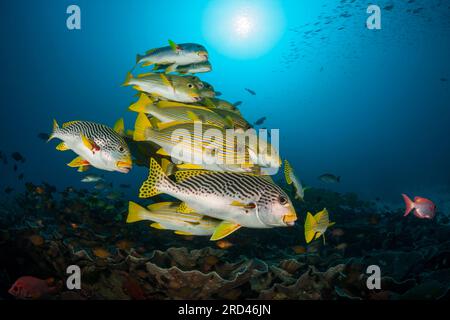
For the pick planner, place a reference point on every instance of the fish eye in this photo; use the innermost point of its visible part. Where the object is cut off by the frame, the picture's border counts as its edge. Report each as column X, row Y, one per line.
column 121, row 149
column 282, row 200
column 190, row 85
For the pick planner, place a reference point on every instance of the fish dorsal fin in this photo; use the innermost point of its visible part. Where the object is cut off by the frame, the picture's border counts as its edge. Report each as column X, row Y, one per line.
column 287, row 172
column 181, row 176
column 174, row 46
column 119, row 127
column 189, row 166
column 310, row 227
column 184, row 208
column 224, row 229
column 141, row 105
column 66, row 124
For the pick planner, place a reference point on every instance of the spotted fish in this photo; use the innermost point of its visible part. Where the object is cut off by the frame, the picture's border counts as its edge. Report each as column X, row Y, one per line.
column 95, row 144
column 241, row 200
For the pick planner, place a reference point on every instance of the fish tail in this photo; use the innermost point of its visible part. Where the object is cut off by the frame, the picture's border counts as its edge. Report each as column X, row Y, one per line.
column 140, row 105
column 54, row 130
column 136, row 212
column 140, row 127
column 139, row 58
column 128, row 78
column 156, row 182
column 409, row 204
column 310, row 227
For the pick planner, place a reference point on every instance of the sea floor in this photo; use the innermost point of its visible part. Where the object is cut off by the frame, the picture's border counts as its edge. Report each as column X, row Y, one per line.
column 43, row 231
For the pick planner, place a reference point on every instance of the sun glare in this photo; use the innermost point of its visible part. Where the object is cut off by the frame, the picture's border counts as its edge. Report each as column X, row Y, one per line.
column 243, row 25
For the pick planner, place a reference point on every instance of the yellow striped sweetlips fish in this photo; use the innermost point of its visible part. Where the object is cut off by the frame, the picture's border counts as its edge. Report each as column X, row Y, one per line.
column 165, row 216
column 193, row 68
column 241, row 200
column 174, row 55
column 95, row 144
column 207, row 91
column 203, row 146
column 168, row 111
column 168, row 87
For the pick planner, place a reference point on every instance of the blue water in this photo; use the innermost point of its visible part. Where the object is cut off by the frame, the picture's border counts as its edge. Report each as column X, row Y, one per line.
column 368, row 105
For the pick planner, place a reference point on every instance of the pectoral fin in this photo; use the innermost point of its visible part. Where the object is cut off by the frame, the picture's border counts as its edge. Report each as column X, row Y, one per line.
column 157, row 226
column 224, row 229
column 78, row 162
column 83, row 168
column 62, row 147
column 87, row 143
column 184, row 208
column 243, row 205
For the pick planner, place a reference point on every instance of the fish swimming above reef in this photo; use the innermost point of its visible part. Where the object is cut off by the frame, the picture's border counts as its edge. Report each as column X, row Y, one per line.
column 95, row 144
column 241, row 200
column 329, row 178
column 166, row 87
column 92, row 178
column 199, row 67
column 260, row 121
column 169, row 111
column 174, row 55
column 291, row 178
column 423, row 208
column 315, row 226
column 165, row 216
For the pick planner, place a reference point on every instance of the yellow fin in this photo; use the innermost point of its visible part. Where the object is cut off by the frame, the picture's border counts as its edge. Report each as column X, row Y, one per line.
column 136, row 212
column 310, row 227
column 83, row 168
column 167, row 166
column 287, row 172
column 87, row 143
column 173, row 45
column 181, row 176
column 155, row 175
column 184, row 208
column 142, row 103
column 189, row 166
column 119, row 127
column 171, row 68
column 66, row 124
column 160, row 205
column 162, row 152
column 143, row 75
column 140, row 127
column 193, row 116
column 128, row 78
column 183, row 233
column 157, row 226
column 224, row 229
column 166, row 81
column 78, row 162
column 146, row 64
column 55, row 127
column 62, row 147
column 165, row 125
column 243, row 205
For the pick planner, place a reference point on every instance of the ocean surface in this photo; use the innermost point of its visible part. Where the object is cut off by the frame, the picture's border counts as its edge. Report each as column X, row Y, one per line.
column 369, row 106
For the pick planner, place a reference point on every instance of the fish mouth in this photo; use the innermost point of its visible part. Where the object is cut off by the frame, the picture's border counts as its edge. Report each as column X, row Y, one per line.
column 196, row 98
column 289, row 219
column 124, row 166
column 203, row 54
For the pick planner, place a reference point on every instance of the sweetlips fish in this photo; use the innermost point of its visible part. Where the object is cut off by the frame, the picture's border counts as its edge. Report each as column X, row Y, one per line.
column 329, row 178
column 205, row 146
column 214, row 103
column 174, row 55
column 169, row 111
column 193, row 68
column 166, row 87
column 241, row 200
column 207, row 91
column 165, row 216
column 315, row 226
column 95, row 144
column 291, row 178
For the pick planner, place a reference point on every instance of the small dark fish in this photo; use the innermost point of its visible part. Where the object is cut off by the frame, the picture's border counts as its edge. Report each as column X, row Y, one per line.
column 43, row 136
column 237, row 103
column 8, row 190
column 444, row 79
column 15, row 168
column 125, row 186
column 253, row 93
column 389, row 7
column 21, row 176
column 18, row 157
column 329, row 178
column 260, row 121
column 218, row 93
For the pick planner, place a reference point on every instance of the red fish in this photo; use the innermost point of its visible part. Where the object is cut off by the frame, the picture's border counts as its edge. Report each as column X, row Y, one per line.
column 30, row 288
column 423, row 208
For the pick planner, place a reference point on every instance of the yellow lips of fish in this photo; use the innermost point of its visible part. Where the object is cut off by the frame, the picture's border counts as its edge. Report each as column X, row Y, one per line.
column 290, row 218
column 124, row 166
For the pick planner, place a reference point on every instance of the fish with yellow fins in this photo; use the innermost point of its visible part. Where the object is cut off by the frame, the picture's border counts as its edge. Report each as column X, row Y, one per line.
column 165, row 87
column 165, row 216
column 199, row 67
column 95, row 144
column 315, row 226
column 225, row 196
column 292, row 179
column 174, row 55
